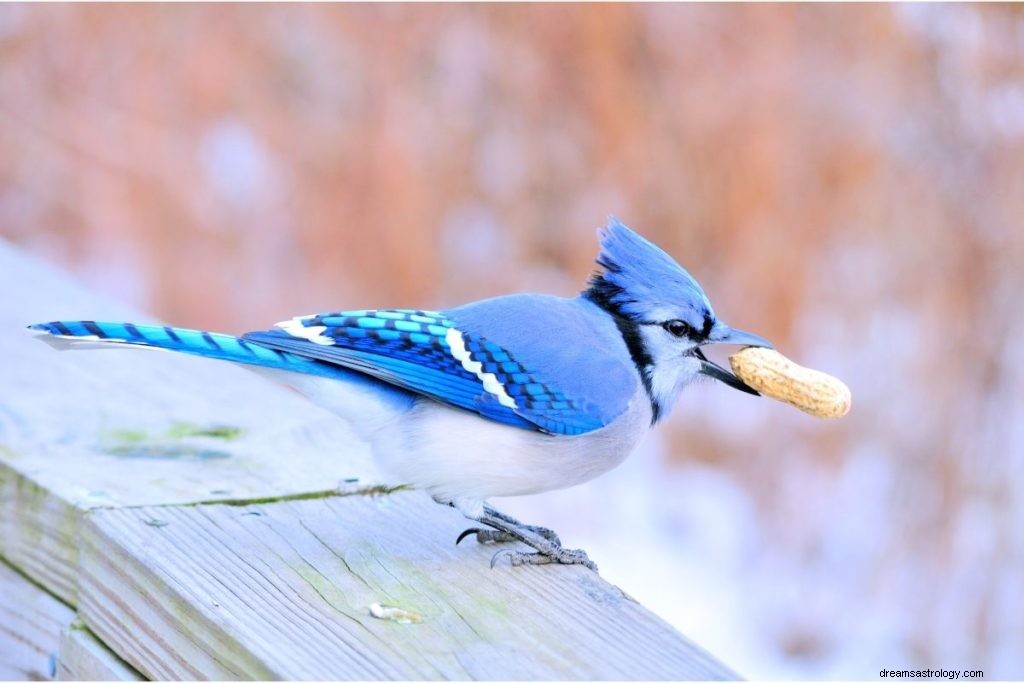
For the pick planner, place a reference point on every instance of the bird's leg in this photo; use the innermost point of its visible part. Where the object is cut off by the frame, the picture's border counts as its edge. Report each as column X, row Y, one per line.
column 498, row 536
column 548, row 552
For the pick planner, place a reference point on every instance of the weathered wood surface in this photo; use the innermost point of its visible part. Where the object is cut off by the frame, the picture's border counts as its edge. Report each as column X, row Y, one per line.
column 30, row 625
column 283, row 591
column 84, row 658
column 209, row 524
column 102, row 428
column 41, row 639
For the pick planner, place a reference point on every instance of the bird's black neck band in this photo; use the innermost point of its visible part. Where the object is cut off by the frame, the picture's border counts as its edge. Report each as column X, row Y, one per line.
column 630, row 332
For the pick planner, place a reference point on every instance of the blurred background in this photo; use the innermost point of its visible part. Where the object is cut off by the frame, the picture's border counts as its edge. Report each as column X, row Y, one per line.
column 845, row 180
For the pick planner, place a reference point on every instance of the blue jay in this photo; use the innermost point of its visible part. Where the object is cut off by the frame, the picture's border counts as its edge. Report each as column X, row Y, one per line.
column 507, row 396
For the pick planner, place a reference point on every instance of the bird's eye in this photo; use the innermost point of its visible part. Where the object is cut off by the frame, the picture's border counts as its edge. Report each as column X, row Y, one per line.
column 677, row 328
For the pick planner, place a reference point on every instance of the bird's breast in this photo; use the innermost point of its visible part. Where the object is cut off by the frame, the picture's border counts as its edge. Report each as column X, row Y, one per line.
column 458, row 456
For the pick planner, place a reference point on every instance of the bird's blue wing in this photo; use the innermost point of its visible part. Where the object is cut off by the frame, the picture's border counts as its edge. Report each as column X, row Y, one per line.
column 577, row 373
column 425, row 352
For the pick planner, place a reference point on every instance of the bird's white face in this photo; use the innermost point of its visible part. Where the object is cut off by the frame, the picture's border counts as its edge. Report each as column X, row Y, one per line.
column 673, row 363
column 672, row 341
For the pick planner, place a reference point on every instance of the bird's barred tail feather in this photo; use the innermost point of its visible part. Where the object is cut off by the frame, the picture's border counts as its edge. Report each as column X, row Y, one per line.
column 72, row 333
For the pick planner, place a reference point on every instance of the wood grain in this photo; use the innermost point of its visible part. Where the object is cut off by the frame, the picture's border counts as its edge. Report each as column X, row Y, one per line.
column 284, row 590
column 86, row 429
column 31, row 621
column 84, row 658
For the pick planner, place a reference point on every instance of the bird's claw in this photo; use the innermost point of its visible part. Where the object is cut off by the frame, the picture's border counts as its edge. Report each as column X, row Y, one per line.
column 498, row 536
column 486, row 536
column 494, row 558
column 467, row 532
column 561, row 556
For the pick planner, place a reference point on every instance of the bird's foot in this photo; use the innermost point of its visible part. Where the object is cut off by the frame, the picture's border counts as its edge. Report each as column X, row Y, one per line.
column 545, row 542
column 498, row 536
column 562, row 556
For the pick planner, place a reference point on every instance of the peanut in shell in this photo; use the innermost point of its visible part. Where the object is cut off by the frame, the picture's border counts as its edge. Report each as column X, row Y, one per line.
column 776, row 376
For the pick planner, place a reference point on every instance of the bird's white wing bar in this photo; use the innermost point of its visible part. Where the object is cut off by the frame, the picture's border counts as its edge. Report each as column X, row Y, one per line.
column 314, row 333
column 491, row 384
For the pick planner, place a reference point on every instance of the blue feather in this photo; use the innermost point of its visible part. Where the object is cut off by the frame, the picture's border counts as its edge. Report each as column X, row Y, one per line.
column 570, row 372
column 193, row 342
column 410, row 349
column 551, row 364
column 641, row 282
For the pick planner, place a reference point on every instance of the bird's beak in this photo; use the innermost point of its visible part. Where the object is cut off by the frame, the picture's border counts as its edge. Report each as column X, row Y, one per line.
column 723, row 334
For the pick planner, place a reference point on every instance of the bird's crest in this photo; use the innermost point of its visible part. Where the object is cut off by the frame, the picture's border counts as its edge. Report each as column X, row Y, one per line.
column 639, row 280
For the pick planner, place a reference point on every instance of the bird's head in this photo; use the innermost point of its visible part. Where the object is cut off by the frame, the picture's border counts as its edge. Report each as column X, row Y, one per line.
column 663, row 314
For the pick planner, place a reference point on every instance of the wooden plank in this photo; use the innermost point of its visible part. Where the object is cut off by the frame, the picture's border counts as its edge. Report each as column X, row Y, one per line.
column 40, row 638
column 87, row 429
column 83, row 657
column 30, row 625
column 283, row 590
column 38, row 533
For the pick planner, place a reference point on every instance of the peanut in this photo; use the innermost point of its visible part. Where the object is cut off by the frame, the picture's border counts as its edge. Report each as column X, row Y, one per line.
column 776, row 376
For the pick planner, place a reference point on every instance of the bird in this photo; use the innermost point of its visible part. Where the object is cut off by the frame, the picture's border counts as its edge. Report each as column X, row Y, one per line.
column 506, row 396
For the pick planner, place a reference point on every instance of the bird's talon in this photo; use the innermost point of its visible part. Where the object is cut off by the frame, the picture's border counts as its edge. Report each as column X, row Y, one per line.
column 485, row 536
column 465, row 533
column 494, row 558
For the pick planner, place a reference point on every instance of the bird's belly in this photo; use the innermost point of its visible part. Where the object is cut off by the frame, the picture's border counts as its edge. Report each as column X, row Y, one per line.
column 461, row 458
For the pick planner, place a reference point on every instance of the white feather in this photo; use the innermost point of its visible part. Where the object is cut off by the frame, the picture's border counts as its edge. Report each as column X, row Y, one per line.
column 464, row 459
column 64, row 342
column 672, row 370
column 461, row 458
column 457, row 345
column 314, row 333
column 367, row 406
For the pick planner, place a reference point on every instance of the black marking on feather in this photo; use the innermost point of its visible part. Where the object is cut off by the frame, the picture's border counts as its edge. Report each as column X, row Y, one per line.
column 172, row 334
column 708, row 324
column 134, row 331
column 211, row 341
column 610, row 298
column 94, row 329
column 62, row 328
column 642, row 359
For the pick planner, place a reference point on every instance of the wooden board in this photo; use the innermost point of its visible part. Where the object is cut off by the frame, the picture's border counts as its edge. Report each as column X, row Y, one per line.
column 284, row 591
column 40, row 638
column 107, row 428
column 84, row 658
column 31, row 621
